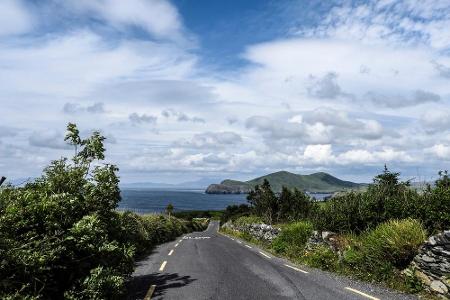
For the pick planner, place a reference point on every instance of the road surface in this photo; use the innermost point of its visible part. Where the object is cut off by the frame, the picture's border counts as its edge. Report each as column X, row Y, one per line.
column 209, row 265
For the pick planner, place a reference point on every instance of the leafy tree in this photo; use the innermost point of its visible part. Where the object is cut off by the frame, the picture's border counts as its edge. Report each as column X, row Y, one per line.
column 56, row 231
column 294, row 205
column 264, row 202
column 60, row 236
column 434, row 210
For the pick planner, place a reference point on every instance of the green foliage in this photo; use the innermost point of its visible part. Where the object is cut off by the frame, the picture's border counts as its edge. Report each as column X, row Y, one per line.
column 286, row 206
column 293, row 205
column 321, row 257
column 387, row 198
column 247, row 220
column 395, row 241
column 232, row 212
column 317, row 182
column 264, row 202
column 60, row 236
column 434, row 209
column 292, row 238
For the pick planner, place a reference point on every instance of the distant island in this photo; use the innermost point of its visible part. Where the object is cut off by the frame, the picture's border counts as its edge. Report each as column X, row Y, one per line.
column 314, row 183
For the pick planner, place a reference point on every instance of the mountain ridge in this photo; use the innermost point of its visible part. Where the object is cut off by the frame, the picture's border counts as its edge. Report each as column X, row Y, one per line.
column 319, row 182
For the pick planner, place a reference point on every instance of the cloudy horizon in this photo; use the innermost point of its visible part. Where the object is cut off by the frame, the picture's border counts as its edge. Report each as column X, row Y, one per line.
column 189, row 90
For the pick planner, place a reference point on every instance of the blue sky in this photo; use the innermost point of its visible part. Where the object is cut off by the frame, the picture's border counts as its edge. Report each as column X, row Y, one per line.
column 186, row 90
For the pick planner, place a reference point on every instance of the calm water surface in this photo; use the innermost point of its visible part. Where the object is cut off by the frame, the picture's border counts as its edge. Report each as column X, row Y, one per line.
column 151, row 200
column 155, row 200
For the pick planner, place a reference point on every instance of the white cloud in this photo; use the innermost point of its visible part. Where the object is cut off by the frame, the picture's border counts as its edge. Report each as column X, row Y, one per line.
column 211, row 140
column 437, row 120
column 158, row 17
column 14, row 18
column 318, row 153
column 441, row 151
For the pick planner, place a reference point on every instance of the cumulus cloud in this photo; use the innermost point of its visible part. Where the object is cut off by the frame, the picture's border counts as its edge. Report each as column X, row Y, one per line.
column 440, row 150
column 180, row 116
column 318, row 153
column 73, row 108
column 325, row 87
column 323, row 125
column 415, row 98
column 136, row 118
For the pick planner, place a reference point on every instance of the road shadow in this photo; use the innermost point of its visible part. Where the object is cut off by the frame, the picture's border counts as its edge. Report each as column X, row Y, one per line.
column 138, row 286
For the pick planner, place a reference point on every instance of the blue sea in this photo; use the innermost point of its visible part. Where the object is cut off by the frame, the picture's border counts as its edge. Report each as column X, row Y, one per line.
column 141, row 200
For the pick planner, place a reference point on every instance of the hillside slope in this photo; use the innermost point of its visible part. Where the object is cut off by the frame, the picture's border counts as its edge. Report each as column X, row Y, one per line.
column 317, row 182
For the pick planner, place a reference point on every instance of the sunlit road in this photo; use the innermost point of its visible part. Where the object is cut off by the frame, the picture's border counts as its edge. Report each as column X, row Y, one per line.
column 208, row 265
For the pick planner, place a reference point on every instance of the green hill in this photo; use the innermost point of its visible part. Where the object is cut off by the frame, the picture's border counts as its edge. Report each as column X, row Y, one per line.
column 317, row 183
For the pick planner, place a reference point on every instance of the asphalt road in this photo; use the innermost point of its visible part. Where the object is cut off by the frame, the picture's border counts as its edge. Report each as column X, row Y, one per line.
column 209, row 265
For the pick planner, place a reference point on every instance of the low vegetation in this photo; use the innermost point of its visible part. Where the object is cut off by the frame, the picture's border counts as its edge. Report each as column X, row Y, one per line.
column 60, row 236
column 378, row 230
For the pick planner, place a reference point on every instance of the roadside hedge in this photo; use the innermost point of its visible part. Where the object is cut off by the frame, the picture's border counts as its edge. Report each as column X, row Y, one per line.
column 60, row 236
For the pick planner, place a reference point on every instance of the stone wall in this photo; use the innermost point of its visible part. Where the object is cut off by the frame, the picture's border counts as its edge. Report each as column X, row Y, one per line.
column 258, row 231
column 432, row 264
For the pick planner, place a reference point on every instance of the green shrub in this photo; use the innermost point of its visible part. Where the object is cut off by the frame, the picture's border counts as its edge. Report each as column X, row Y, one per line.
column 321, row 257
column 247, row 220
column 60, row 236
column 292, row 237
column 396, row 241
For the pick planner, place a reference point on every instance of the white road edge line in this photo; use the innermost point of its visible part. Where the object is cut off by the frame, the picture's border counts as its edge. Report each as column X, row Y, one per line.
column 163, row 265
column 232, row 239
column 361, row 293
column 296, row 269
column 170, row 253
column 150, row 292
column 176, row 245
column 248, row 246
column 262, row 253
column 239, row 241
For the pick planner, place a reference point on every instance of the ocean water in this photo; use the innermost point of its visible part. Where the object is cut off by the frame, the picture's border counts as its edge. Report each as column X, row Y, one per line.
column 152, row 200
column 142, row 200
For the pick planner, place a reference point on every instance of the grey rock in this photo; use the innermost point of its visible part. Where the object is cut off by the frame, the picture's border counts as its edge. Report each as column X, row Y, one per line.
column 439, row 287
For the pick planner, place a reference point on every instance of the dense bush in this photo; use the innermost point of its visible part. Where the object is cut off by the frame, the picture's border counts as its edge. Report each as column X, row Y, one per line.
column 285, row 206
column 60, row 236
column 387, row 198
column 292, row 238
column 248, row 220
column 232, row 212
column 395, row 242
column 321, row 257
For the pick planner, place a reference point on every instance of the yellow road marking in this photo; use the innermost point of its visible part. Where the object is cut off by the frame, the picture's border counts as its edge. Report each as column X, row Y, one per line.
column 296, row 269
column 262, row 253
column 248, row 246
column 150, row 292
column 361, row 293
column 163, row 265
column 170, row 253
